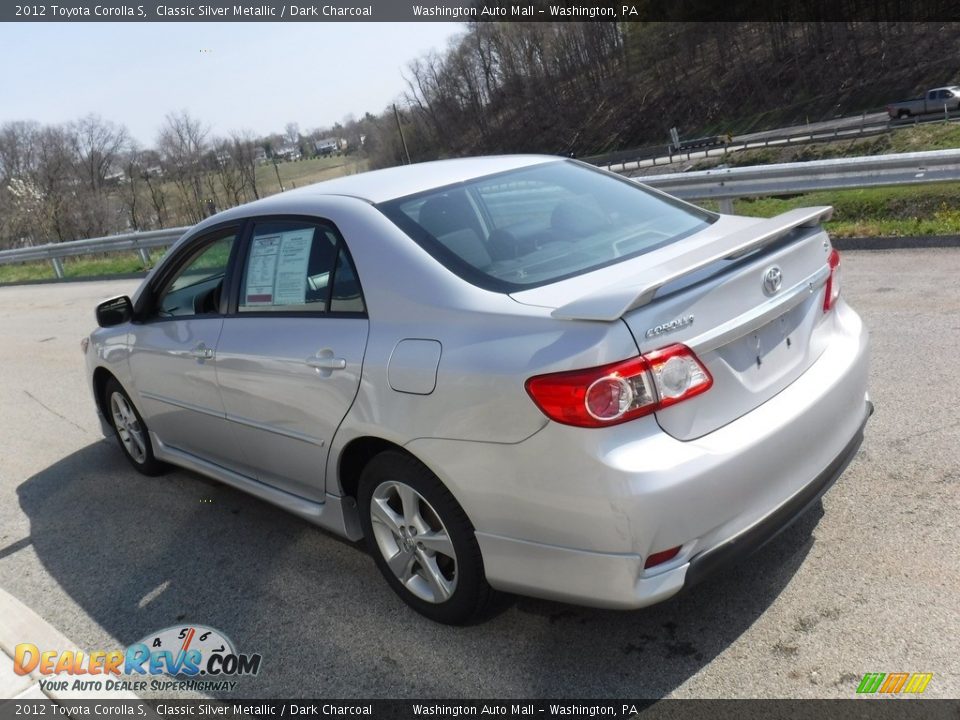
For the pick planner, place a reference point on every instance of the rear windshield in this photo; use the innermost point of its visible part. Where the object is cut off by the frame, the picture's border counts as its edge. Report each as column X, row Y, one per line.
column 528, row 227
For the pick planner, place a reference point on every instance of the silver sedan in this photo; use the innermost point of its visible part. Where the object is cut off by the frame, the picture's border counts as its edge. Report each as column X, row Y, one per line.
column 511, row 374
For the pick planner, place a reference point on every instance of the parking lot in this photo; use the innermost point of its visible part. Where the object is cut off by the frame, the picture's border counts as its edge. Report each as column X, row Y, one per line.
column 867, row 583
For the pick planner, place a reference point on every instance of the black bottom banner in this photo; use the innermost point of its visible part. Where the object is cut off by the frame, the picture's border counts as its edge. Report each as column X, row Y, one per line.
column 644, row 709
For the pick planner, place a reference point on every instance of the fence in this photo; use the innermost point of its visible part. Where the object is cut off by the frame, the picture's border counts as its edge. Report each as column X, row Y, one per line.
column 852, row 128
column 723, row 185
column 142, row 242
column 726, row 184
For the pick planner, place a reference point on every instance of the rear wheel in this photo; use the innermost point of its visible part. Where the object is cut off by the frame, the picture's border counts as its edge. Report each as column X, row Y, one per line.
column 131, row 430
column 422, row 541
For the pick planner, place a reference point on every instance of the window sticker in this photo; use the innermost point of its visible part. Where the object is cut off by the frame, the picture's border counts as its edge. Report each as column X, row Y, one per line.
column 277, row 270
column 291, row 284
column 262, row 269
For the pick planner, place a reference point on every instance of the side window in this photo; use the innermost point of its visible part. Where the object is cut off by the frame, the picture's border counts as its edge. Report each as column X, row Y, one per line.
column 195, row 288
column 346, row 295
column 298, row 267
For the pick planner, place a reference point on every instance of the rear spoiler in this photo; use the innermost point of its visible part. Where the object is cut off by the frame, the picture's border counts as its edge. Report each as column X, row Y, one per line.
column 611, row 303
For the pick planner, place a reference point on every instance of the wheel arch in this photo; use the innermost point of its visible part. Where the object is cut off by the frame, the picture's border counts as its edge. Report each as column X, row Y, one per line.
column 101, row 376
column 354, row 458
column 358, row 453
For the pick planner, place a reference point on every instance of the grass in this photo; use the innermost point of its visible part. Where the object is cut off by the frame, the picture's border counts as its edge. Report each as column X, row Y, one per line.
column 80, row 266
column 304, row 172
column 880, row 212
column 914, row 138
column 293, row 174
column 893, row 211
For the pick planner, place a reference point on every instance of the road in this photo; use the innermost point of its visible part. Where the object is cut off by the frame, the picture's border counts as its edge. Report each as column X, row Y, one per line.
column 867, row 583
column 845, row 128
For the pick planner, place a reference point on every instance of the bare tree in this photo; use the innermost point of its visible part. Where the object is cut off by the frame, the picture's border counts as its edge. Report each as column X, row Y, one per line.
column 182, row 143
column 292, row 131
column 243, row 151
column 97, row 143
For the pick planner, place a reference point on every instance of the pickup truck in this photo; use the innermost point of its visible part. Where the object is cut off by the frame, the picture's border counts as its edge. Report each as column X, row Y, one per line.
column 933, row 101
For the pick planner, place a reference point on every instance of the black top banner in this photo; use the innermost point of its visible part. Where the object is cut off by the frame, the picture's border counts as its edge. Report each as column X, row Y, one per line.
column 482, row 11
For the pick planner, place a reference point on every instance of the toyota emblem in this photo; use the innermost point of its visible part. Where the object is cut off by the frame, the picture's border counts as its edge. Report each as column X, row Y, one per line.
column 772, row 279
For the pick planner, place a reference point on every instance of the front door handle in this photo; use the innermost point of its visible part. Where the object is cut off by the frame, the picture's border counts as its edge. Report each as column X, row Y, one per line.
column 326, row 363
column 201, row 352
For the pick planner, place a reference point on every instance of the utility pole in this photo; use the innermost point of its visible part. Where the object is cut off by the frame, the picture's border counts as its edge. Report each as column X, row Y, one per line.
column 277, row 170
column 396, row 115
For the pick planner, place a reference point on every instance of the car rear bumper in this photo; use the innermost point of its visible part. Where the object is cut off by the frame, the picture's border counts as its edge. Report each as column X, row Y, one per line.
column 572, row 515
column 619, row 581
column 708, row 562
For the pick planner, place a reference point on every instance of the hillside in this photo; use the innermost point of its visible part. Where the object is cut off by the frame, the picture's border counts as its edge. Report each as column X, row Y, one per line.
column 588, row 88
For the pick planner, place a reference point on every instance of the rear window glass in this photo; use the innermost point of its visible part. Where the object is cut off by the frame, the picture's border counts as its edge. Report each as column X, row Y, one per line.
column 533, row 226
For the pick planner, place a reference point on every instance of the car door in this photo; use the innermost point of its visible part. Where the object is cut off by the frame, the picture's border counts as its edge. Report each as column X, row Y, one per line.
column 291, row 349
column 173, row 351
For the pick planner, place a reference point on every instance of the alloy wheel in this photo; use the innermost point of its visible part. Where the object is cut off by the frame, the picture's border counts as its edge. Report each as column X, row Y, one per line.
column 414, row 541
column 128, row 428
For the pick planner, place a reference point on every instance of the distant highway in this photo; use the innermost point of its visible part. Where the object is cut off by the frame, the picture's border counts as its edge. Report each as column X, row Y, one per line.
column 850, row 127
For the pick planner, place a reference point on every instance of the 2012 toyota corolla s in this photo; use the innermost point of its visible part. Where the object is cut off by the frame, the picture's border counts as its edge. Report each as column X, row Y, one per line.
column 515, row 374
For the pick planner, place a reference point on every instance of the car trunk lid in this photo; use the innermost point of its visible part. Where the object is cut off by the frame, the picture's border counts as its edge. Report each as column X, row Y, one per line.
column 745, row 295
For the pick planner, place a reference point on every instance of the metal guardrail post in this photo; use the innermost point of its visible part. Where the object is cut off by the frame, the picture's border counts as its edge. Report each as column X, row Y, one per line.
column 726, row 206
column 57, row 267
column 144, row 256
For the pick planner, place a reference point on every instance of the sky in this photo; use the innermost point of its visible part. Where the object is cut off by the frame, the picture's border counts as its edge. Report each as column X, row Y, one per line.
column 232, row 76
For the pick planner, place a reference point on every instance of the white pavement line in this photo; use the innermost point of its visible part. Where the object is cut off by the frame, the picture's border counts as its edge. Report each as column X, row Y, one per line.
column 22, row 625
column 32, row 693
column 11, row 684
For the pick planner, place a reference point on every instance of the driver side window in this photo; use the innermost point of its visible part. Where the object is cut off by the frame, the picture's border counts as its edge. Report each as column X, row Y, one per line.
column 195, row 288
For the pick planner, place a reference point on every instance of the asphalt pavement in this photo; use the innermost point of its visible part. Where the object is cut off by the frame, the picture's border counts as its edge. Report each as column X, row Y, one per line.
column 868, row 582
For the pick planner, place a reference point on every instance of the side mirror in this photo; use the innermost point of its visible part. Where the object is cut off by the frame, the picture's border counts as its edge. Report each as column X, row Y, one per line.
column 114, row 311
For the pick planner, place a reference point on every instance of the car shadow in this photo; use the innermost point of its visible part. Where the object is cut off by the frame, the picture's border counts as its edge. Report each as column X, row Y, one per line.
column 140, row 554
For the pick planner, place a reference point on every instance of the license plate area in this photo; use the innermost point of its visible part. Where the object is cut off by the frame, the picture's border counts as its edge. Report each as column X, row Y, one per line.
column 764, row 355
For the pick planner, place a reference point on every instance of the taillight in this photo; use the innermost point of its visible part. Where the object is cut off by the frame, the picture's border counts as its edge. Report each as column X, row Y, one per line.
column 832, row 288
column 622, row 391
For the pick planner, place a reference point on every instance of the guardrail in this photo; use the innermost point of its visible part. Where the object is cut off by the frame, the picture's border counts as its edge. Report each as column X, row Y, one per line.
column 667, row 154
column 723, row 184
column 727, row 184
column 658, row 155
column 142, row 242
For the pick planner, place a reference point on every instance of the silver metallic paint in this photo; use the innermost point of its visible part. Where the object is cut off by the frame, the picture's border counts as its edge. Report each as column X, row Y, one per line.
column 560, row 512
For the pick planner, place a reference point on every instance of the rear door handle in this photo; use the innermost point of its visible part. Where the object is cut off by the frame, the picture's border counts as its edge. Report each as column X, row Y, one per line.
column 201, row 352
column 326, row 363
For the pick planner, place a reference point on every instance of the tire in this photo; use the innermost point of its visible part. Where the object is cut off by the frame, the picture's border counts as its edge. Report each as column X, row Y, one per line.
column 130, row 430
column 402, row 504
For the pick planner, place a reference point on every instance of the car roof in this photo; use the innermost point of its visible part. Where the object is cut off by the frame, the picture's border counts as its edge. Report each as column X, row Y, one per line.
column 379, row 186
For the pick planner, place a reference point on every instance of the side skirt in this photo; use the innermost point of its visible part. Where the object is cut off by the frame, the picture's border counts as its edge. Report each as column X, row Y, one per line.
column 336, row 514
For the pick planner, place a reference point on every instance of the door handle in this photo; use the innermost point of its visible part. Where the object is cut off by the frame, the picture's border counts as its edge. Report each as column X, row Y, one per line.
column 201, row 352
column 326, row 363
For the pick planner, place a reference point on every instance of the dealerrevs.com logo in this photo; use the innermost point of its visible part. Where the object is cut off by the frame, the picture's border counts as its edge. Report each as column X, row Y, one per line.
column 199, row 657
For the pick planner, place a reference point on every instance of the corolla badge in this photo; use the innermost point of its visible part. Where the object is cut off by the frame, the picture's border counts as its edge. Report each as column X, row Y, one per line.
column 681, row 322
column 772, row 279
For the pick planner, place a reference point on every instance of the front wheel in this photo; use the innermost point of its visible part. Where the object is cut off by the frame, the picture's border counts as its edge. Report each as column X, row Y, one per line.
column 422, row 541
column 131, row 430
